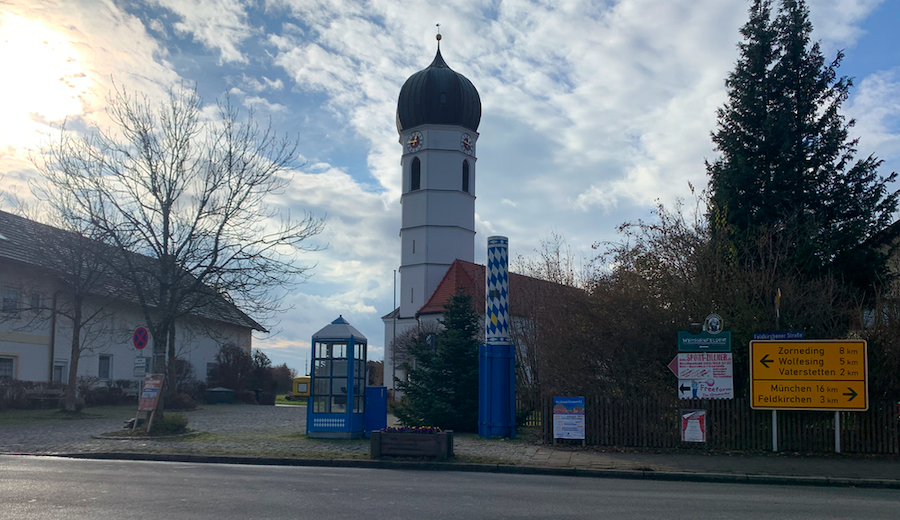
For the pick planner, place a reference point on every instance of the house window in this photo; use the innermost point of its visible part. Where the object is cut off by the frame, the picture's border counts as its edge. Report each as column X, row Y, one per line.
column 105, row 370
column 415, row 179
column 465, row 176
column 11, row 302
column 60, row 374
column 36, row 303
column 7, row 367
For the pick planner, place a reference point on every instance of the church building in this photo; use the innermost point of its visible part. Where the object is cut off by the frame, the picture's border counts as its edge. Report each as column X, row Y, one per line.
column 438, row 113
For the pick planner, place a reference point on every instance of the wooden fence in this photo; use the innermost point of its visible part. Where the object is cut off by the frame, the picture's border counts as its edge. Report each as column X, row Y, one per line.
column 731, row 425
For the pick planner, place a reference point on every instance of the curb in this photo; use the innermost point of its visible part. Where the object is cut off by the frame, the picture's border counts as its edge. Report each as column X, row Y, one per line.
column 720, row 478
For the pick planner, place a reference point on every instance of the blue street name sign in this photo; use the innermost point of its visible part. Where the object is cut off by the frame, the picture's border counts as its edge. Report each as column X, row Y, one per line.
column 779, row 335
column 704, row 342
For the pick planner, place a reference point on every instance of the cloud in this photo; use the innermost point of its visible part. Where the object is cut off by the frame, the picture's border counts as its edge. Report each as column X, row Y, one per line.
column 216, row 24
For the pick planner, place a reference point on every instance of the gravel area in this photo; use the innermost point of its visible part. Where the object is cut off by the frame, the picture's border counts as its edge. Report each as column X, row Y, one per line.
column 242, row 430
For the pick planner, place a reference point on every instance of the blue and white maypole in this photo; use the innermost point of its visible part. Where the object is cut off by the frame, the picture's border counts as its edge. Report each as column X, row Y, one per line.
column 496, row 359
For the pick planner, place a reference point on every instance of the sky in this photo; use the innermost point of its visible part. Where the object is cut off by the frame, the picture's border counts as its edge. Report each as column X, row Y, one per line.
column 592, row 111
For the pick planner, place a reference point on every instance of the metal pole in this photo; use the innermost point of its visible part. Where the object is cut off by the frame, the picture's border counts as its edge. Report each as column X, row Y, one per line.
column 774, row 430
column 837, row 431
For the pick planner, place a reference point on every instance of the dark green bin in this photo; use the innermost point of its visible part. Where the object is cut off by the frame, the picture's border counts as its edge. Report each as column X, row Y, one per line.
column 219, row 395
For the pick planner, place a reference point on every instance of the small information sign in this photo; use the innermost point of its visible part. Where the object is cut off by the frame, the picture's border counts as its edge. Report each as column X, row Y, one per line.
column 140, row 366
column 704, row 375
column 568, row 418
column 150, row 393
column 704, row 342
column 693, row 426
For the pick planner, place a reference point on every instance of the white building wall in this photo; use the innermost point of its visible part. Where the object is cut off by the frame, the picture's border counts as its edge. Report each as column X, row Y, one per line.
column 27, row 339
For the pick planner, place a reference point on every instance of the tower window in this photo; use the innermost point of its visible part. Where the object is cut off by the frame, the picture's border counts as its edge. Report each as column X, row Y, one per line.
column 465, row 177
column 411, row 295
column 414, row 246
column 415, row 178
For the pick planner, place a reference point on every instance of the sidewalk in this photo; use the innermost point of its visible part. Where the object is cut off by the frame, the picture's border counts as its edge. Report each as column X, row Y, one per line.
column 247, row 434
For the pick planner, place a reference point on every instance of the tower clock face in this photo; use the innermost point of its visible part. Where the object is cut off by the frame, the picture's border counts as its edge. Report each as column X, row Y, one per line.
column 467, row 144
column 415, row 142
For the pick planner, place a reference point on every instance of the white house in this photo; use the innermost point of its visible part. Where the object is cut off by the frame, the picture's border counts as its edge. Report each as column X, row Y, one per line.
column 35, row 338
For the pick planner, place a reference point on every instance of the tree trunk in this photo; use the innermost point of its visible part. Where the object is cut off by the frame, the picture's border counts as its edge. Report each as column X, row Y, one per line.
column 172, row 373
column 72, row 387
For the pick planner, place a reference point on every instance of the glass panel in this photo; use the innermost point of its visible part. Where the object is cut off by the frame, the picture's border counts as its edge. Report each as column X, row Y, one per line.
column 339, row 350
column 321, row 350
column 339, row 404
column 323, row 368
column 301, row 388
column 338, row 387
column 359, row 368
column 359, row 405
column 6, row 368
column 358, row 349
column 322, row 385
column 340, row 368
column 103, row 373
column 320, row 405
column 359, row 387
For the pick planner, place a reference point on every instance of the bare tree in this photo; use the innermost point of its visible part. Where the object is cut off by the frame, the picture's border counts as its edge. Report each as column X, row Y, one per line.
column 188, row 206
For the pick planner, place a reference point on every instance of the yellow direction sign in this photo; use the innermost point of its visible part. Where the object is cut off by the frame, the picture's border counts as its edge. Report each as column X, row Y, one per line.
column 809, row 375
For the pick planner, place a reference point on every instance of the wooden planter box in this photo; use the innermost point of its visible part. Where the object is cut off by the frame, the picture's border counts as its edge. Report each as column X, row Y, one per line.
column 438, row 446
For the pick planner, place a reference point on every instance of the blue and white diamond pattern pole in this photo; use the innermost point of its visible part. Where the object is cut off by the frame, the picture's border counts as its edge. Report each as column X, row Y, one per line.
column 496, row 358
column 497, row 292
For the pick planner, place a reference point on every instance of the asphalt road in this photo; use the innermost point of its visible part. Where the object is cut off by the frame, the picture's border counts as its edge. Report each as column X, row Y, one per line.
column 50, row 488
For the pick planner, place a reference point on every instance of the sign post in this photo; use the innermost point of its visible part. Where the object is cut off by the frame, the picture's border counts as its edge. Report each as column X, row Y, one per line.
column 827, row 375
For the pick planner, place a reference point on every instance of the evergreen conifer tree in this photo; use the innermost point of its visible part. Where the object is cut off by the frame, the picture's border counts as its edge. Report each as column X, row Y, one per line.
column 787, row 167
column 442, row 382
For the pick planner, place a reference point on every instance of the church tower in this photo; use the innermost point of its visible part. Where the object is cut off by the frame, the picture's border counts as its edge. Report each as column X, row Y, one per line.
column 438, row 113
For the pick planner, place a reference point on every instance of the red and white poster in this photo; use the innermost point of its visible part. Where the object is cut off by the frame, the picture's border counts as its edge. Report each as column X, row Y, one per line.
column 150, row 393
column 693, row 425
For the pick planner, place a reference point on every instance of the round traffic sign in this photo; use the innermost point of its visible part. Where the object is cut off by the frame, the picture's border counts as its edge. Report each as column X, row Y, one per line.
column 140, row 337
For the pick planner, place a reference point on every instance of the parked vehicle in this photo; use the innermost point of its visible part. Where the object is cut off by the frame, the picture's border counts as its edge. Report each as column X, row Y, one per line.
column 299, row 389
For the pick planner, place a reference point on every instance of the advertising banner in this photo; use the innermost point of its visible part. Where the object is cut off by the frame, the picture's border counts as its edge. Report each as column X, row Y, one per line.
column 150, row 393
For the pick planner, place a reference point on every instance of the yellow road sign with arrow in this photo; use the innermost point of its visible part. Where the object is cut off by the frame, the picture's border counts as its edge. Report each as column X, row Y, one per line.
column 809, row 375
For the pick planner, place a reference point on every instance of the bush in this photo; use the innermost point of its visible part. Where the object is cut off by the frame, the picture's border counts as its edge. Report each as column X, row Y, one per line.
column 180, row 402
column 104, row 396
column 12, row 394
column 267, row 399
column 245, row 396
column 170, row 424
column 79, row 404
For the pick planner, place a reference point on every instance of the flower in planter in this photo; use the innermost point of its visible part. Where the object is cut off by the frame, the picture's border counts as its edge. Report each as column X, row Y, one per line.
column 412, row 429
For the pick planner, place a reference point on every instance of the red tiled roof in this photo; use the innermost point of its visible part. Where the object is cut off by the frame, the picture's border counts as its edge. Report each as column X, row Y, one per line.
column 470, row 277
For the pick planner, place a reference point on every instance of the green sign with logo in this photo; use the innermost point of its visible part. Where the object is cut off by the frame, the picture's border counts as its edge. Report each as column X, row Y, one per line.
column 704, row 342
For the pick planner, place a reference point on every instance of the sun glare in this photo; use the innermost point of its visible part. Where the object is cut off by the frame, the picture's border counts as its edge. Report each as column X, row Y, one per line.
column 43, row 81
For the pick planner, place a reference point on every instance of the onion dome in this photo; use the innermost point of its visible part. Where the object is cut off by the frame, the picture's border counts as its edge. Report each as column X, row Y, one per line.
column 437, row 95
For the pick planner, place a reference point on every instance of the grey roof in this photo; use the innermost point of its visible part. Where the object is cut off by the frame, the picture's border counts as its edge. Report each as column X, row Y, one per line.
column 340, row 329
column 31, row 243
column 421, row 101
